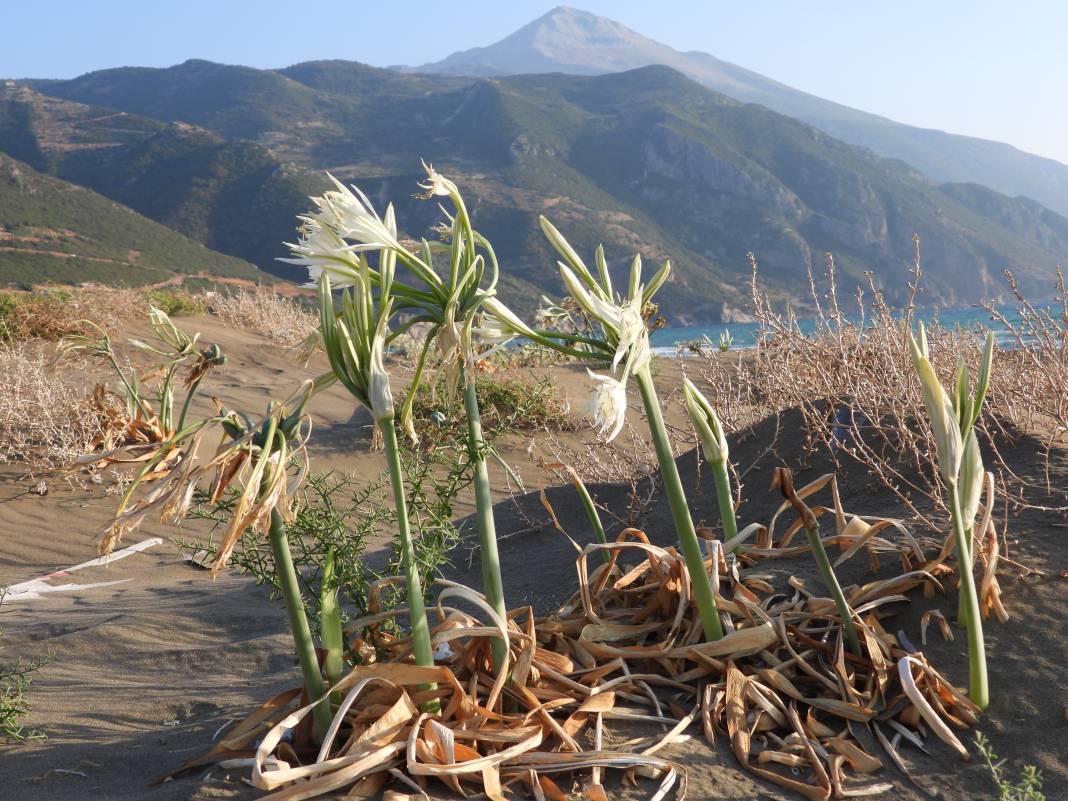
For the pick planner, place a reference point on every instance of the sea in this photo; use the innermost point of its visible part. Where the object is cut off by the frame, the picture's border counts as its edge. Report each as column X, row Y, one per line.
column 669, row 341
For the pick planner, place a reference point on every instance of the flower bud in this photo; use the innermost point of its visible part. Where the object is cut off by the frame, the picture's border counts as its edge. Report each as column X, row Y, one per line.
column 706, row 424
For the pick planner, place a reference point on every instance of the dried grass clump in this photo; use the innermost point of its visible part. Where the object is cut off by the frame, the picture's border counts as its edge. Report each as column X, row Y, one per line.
column 46, row 419
column 797, row 708
column 265, row 311
column 859, row 400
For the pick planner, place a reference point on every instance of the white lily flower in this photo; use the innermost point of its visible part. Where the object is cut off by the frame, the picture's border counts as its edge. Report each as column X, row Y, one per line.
column 350, row 214
column 608, row 407
column 492, row 332
column 633, row 338
column 437, row 184
column 321, row 250
column 623, row 320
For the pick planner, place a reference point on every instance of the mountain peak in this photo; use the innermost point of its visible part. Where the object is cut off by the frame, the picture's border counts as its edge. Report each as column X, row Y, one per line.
column 564, row 39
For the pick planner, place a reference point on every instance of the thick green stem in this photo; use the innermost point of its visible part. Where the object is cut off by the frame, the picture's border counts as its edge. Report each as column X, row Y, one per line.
column 421, row 647
column 333, row 640
column 680, row 510
column 978, row 688
column 487, row 530
column 725, row 499
column 830, row 580
column 298, row 623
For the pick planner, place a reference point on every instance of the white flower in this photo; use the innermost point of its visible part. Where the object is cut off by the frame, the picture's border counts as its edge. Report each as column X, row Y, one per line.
column 621, row 320
column 437, row 184
column 608, row 407
column 321, row 250
column 350, row 214
column 633, row 339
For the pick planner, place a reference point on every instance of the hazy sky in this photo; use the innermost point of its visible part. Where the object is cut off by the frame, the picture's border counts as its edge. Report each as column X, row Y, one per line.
column 998, row 70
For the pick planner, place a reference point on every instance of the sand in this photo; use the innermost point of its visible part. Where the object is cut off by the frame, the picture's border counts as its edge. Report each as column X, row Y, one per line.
column 143, row 672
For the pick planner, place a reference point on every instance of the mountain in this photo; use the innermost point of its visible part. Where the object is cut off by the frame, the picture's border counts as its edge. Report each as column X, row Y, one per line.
column 54, row 231
column 572, row 41
column 644, row 160
column 234, row 196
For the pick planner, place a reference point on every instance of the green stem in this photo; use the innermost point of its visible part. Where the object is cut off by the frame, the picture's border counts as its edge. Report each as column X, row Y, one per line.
column 830, row 580
column 413, row 385
column 421, row 647
column 680, row 511
column 962, row 601
column 978, row 688
column 298, row 623
column 130, row 392
column 725, row 499
column 487, row 530
column 592, row 514
column 188, row 402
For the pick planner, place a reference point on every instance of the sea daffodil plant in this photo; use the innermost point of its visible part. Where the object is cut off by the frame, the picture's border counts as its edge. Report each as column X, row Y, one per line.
column 354, row 337
column 450, row 299
column 952, row 417
column 620, row 341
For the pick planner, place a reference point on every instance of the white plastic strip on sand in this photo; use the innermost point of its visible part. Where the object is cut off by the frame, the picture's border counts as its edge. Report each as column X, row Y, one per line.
column 35, row 588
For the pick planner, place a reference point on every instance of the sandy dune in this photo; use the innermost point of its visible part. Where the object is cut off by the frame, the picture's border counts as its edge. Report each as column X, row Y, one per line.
column 145, row 671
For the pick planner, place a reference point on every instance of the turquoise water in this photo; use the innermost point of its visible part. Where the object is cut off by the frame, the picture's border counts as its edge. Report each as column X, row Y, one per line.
column 665, row 340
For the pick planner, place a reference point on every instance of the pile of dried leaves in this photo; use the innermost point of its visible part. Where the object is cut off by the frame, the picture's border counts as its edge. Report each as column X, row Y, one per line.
column 798, row 708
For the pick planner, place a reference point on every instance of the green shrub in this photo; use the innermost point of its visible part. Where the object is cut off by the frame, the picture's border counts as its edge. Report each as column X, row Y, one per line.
column 341, row 515
column 507, row 405
column 177, row 302
column 1027, row 788
column 14, row 681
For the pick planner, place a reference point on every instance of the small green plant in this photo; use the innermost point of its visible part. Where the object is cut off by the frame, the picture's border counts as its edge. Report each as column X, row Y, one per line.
column 725, row 341
column 1027, row 788
column 335, row 516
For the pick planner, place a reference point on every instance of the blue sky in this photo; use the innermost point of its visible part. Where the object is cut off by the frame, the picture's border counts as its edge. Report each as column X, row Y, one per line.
column 993, row 69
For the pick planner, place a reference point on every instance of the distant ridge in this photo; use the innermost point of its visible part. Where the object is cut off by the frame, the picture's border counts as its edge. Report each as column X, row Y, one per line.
column 645, row 160
column 231, row 195
column 52, row 231
column 573, row 41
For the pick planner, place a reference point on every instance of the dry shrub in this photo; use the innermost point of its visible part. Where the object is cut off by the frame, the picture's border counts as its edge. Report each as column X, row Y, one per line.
column 859, row 400
column 265, row 311
column 55, row 313
column 46, row 418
